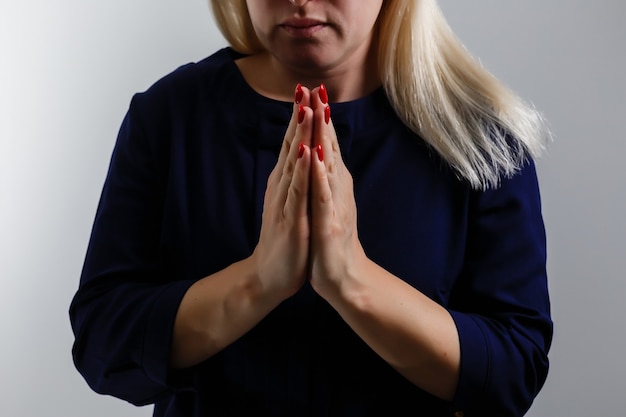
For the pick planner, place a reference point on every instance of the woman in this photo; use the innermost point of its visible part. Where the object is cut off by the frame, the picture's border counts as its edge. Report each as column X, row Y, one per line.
column 228, row 272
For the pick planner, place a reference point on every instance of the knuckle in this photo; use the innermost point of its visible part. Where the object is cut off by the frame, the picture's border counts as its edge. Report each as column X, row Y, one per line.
column 325, row 197
column 288, row 169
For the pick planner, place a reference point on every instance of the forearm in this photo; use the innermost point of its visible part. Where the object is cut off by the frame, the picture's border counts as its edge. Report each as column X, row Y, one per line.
column 217, row 310
column 415, row 335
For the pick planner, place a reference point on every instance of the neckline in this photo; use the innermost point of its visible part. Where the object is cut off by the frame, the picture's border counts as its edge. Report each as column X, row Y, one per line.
column 363, row 101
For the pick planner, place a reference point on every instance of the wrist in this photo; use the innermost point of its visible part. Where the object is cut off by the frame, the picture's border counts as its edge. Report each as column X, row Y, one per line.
column 264, row 286
column 347, row 286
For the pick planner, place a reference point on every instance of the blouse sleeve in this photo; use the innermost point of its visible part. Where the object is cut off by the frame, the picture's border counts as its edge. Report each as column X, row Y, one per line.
column 500, row 305
column 123, row 312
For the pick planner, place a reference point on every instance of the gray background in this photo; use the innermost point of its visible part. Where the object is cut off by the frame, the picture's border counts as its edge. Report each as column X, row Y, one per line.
column 68, row 71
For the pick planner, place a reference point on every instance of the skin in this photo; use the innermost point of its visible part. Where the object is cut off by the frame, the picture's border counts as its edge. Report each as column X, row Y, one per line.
column 321, row 41
column 309, row 228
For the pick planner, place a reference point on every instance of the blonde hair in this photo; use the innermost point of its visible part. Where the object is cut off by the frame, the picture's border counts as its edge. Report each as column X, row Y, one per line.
column 478, row 126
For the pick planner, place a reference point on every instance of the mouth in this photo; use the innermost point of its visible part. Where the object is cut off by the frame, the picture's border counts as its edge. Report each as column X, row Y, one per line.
column 303, row 28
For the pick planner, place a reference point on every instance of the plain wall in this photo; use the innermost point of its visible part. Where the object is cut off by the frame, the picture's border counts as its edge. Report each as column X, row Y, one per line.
column 69, row 69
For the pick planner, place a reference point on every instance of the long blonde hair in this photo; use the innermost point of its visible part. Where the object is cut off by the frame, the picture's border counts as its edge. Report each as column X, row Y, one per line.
column 478, row 125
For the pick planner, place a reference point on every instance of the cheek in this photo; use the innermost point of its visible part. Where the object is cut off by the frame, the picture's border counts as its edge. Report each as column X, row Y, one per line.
column 260, row 17
column 262, row 32
column 364, row 20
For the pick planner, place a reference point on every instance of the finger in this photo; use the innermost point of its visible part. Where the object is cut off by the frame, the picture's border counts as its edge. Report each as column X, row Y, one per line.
column 324, row 134
column 297, row 201
column 303, row 136
column 322, row 207
column 302, row 96
column 319, row 97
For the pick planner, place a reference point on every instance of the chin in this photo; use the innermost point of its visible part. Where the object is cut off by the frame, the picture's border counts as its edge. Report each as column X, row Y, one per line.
column 306, row 59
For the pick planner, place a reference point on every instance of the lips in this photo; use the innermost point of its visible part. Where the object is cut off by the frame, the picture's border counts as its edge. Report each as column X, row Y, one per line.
column 305, row 28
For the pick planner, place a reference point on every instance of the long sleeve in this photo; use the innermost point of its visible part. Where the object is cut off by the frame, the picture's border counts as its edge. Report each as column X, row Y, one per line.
column 183, row 199
column 123, row 313
column 500, row 303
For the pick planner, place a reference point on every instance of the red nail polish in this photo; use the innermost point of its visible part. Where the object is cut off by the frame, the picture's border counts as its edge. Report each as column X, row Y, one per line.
column 301, row 114
column 320, row 153
column 300, row 150
column 323, row 94
column 327, row 114
column 299, row 94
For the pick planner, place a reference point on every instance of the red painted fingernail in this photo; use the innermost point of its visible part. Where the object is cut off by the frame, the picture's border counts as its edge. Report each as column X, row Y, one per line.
column 327, row 114
column 320, row 153
column 301, row 114
column 299, row 93
column 323, row 94
column 300, row 150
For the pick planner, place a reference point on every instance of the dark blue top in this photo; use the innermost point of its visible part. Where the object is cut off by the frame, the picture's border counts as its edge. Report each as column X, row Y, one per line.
column 183, row 199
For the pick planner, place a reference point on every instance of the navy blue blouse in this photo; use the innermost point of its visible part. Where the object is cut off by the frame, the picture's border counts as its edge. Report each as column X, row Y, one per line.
column 183, row 199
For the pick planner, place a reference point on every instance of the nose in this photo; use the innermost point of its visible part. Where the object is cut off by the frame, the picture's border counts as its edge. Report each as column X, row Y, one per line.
column 298, row 2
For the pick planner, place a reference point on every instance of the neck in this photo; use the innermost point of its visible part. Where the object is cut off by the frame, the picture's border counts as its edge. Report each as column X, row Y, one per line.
column 344, row 82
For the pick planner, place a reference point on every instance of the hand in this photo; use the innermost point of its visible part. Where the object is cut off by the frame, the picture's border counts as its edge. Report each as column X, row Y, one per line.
column 336, row 251
column 281, row 255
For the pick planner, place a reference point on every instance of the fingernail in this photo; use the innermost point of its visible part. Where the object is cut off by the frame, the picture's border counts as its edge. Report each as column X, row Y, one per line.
column 301, row 114
column 300, row 150
column 327, row 114
column 299, row 93
column 323, row 94
column 320, row 153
